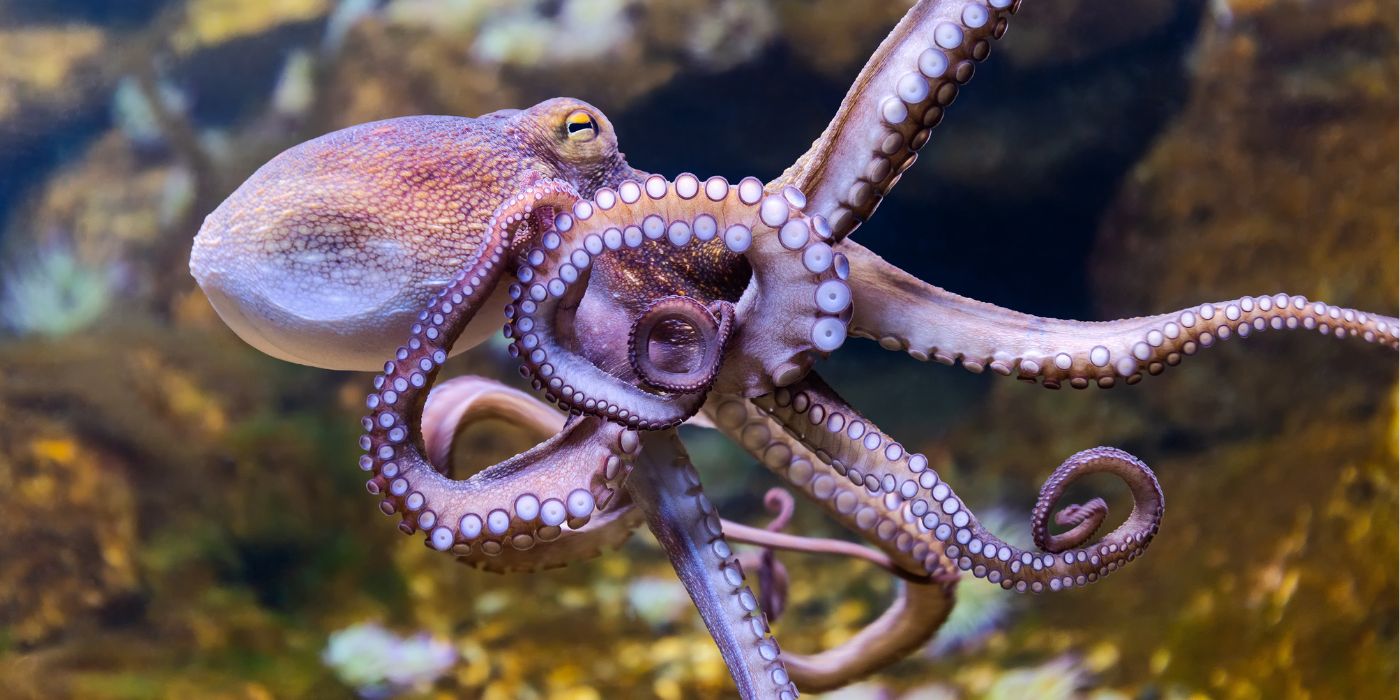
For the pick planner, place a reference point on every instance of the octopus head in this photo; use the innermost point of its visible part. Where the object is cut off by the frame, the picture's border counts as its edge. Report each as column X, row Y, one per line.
column 327, row 253
column 578, row 140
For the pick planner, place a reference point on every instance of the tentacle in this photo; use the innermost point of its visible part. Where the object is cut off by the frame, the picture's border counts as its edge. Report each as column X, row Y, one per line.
column 769, row 539
column 886, row 519
column 461, row 401
column 764, row 564
column 883, row 518
column 781, row 504
column 797, row 305
column 856, row 450
column 667, row 488
column 903, row 312
column 516, row 503
column 605, row 531
column 919, row 609
column 527, row 499
column 457, row 403
column 907, row 624
column 893, row 105
column 713, row 326
column 772, row 585
column 794, row 309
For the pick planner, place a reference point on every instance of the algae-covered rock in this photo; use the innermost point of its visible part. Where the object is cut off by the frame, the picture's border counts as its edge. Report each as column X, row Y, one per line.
column 113, row 209
column 1279, row 176
column 46, row 71
column 206, row 23
column 1057, row 35
column 68, row 539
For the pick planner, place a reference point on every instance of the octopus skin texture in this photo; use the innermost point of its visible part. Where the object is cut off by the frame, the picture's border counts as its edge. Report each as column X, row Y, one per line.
column 635, row 303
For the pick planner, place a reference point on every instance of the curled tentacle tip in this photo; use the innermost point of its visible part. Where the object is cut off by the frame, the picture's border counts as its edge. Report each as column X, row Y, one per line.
column 1130, row 538
column 780, row 503
column 777, row 499
column 1064, row 560
column 1082, row 519
column 1076, row 513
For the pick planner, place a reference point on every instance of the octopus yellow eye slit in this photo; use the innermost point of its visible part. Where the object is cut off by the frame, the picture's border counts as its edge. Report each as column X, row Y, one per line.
column 580, row 126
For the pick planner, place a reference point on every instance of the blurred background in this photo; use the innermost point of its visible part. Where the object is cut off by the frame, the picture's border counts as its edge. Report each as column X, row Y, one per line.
column 180, row 516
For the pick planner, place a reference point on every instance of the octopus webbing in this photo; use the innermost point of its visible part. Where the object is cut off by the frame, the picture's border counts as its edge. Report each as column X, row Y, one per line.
column 636, row 302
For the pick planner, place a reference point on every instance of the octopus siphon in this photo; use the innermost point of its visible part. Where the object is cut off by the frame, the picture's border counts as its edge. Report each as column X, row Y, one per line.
column 635, row 303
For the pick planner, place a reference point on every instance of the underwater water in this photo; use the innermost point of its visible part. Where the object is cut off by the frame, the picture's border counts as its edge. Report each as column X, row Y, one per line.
column 181, row 516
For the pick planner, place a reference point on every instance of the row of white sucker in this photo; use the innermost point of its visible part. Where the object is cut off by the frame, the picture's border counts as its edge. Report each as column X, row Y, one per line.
column 1153, row 343
column 685, row 212
column 915, row 105
column 412, row 487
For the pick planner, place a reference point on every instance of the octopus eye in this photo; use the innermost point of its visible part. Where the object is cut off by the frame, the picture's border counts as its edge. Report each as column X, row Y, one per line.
column 581, row 126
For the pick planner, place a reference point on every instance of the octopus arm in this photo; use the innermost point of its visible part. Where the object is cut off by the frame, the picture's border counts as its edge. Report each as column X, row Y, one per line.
column 770, row 539
column 535, row 497
column 459, row 402
column 885, row 520
column 527, row 499
column 893, row 105
column 919, row 609
column 854, row 450
column 667, row 488
column 905, row 313
column 906, row 625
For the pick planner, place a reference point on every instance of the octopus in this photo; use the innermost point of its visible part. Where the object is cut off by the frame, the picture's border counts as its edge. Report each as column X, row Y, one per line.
column 636, row 303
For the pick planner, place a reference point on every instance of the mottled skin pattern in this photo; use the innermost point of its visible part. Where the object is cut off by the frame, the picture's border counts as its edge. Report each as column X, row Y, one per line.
column 635, row 303
column 339, row 242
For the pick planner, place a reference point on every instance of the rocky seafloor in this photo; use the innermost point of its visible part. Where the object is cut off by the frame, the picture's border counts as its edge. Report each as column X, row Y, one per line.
column 181, row 517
